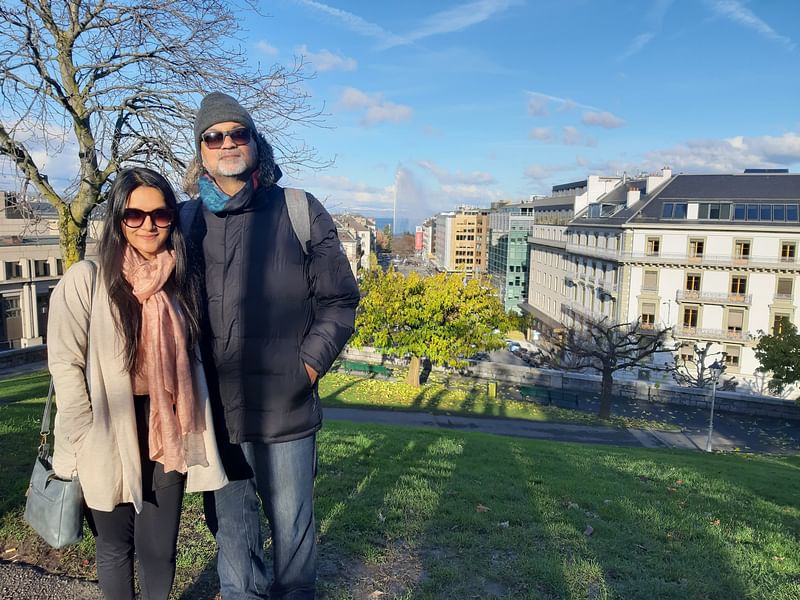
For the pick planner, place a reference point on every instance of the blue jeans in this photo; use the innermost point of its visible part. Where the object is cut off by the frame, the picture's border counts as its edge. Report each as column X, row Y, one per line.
column 284, row 479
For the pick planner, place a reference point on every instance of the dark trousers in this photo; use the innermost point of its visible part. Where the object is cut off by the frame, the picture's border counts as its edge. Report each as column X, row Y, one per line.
column 151, row 534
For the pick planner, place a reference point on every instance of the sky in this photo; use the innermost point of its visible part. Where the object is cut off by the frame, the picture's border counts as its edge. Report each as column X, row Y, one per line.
column 447, row 103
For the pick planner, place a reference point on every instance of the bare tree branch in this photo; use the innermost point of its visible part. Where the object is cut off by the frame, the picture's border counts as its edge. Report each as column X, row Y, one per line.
column 116, row 82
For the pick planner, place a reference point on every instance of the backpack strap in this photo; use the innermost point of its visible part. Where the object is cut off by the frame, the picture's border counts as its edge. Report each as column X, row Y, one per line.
column 297, row 206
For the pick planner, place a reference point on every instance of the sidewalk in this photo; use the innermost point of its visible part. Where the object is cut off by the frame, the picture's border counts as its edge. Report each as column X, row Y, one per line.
column 691, row 438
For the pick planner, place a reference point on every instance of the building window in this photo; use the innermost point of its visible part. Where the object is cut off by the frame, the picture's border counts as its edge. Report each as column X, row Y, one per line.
column 11, row 307
column 690, row 316
column 738, row 285
column 13, row 270
column 788, row 251
column 653, row 246
column 41, row 268
column 59, row 267
column 741, row 249
column 733, row 356
column 779, row 323
column 735, row 321
column 648, row 315
column 650, row 281
column 784, row 289
column 686, row 353
column 696, row 248
column 693, row 282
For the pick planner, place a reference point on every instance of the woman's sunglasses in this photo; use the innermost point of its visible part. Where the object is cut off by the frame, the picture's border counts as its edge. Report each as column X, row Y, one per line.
column 160, row 217
column 215, row 139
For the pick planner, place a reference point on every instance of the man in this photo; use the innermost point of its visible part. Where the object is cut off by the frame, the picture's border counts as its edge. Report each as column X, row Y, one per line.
column 276, row 319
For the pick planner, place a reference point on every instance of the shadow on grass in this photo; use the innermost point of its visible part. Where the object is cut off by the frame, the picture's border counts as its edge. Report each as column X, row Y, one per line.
column 24, row 387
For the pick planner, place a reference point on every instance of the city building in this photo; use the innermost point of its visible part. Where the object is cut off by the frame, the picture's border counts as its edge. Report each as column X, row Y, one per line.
column 362, row 229
column 429, row 238
column 509, row 228
column 462, row 241
column 30, row 267
column 712, row 256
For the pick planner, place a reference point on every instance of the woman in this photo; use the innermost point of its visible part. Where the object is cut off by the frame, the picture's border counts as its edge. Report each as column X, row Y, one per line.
column 133, row 414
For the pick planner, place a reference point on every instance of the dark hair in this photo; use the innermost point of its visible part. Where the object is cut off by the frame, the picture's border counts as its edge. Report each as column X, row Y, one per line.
column 182, row 285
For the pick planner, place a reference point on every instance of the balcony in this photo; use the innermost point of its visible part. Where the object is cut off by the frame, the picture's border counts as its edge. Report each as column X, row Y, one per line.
column 711, row 334
column 710, row 260
column 579, row 309
column 594, row 251
column 713, row 297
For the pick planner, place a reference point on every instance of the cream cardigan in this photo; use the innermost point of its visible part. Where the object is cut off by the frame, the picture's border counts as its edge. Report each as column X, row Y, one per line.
column 95, row 427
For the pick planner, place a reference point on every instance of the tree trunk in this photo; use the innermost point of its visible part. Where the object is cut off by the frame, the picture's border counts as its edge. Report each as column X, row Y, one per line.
column 72, row 234
column 605, row 394
column 413, row 372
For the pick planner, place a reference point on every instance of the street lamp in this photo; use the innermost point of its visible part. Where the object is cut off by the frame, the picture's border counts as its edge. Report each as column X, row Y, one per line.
column 715, row 370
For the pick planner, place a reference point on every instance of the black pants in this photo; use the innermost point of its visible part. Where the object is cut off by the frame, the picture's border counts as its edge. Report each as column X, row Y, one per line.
column 151, row 534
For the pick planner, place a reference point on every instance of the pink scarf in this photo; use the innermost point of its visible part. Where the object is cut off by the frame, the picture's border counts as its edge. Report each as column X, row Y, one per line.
column 164, row 369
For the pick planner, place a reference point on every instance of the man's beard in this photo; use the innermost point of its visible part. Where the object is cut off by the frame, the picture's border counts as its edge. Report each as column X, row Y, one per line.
column 232, row 168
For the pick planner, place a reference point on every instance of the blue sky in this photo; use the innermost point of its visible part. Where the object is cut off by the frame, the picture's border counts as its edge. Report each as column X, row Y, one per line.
column 447, row 103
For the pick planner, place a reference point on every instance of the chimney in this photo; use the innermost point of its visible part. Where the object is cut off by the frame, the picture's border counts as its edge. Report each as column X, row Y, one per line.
column 633, row 196
column 666, row 172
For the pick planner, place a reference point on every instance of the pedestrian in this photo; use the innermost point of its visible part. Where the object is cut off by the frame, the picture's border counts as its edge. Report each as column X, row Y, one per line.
column 279, row 311
column 134, row 418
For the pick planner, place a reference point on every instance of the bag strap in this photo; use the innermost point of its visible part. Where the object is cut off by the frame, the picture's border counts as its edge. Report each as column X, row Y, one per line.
column 297, row 206
column 44, row 431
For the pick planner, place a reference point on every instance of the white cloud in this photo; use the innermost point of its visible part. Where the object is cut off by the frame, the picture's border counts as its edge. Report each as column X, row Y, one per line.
column 542, row 134
column 445, row 177
column 731, row 155
column 377, row 110
column 571, row 136
column 537, row 106
column 734, row 11
column 447, row 21
column 540, row 172
column 267, row 48
column 354, row 22
column 540, row 101
column 637, row 44
column 457, row 18
column 602, row 119
column 325, row 60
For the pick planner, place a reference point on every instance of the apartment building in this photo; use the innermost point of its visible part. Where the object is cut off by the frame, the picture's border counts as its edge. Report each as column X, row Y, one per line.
column 712, row 256
column 462, row 241
column 509, row 228
column 429, row 238
column 30, row 267
column 362, row 229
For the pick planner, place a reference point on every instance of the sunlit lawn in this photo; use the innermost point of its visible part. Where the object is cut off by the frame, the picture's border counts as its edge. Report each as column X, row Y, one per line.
column 417, row 513
column 458, row 396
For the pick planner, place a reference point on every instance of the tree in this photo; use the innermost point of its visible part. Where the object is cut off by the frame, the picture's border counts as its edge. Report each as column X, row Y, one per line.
column 383, row 239
column 440, row 317
column 403, row 245
column 603, row 346
column 115, row 82
column 779, row 354
column 696, row 371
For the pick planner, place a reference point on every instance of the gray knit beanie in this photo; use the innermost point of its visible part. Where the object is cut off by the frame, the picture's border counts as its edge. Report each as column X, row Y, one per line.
column 215, row 108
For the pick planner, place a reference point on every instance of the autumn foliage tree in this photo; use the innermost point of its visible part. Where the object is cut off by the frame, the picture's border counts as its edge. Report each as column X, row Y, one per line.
column 105, row 83
column 442, row 318
column 605, row 347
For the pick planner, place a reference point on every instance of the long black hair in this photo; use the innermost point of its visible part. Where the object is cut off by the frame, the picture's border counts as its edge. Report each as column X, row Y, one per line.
column 183, row 285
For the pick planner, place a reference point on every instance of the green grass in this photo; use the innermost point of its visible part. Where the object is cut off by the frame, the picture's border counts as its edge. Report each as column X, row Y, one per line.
column 418, row 513
column 457, row 396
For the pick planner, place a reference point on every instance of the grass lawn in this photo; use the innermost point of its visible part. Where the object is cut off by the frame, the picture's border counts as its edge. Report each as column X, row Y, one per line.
column 456, row 396
column 417, row 513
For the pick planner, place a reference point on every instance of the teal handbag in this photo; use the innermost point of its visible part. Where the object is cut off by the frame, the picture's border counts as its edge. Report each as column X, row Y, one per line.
column 54, row 507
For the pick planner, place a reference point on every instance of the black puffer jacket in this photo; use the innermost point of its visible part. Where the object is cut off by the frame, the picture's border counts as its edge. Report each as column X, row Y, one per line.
column 270, row 308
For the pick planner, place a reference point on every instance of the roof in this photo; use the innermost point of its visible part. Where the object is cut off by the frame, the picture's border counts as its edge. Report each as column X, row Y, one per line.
column 746, row 186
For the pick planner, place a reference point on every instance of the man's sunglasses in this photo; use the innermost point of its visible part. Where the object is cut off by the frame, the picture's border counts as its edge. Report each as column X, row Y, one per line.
column 215, row 139
column 160, row 217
